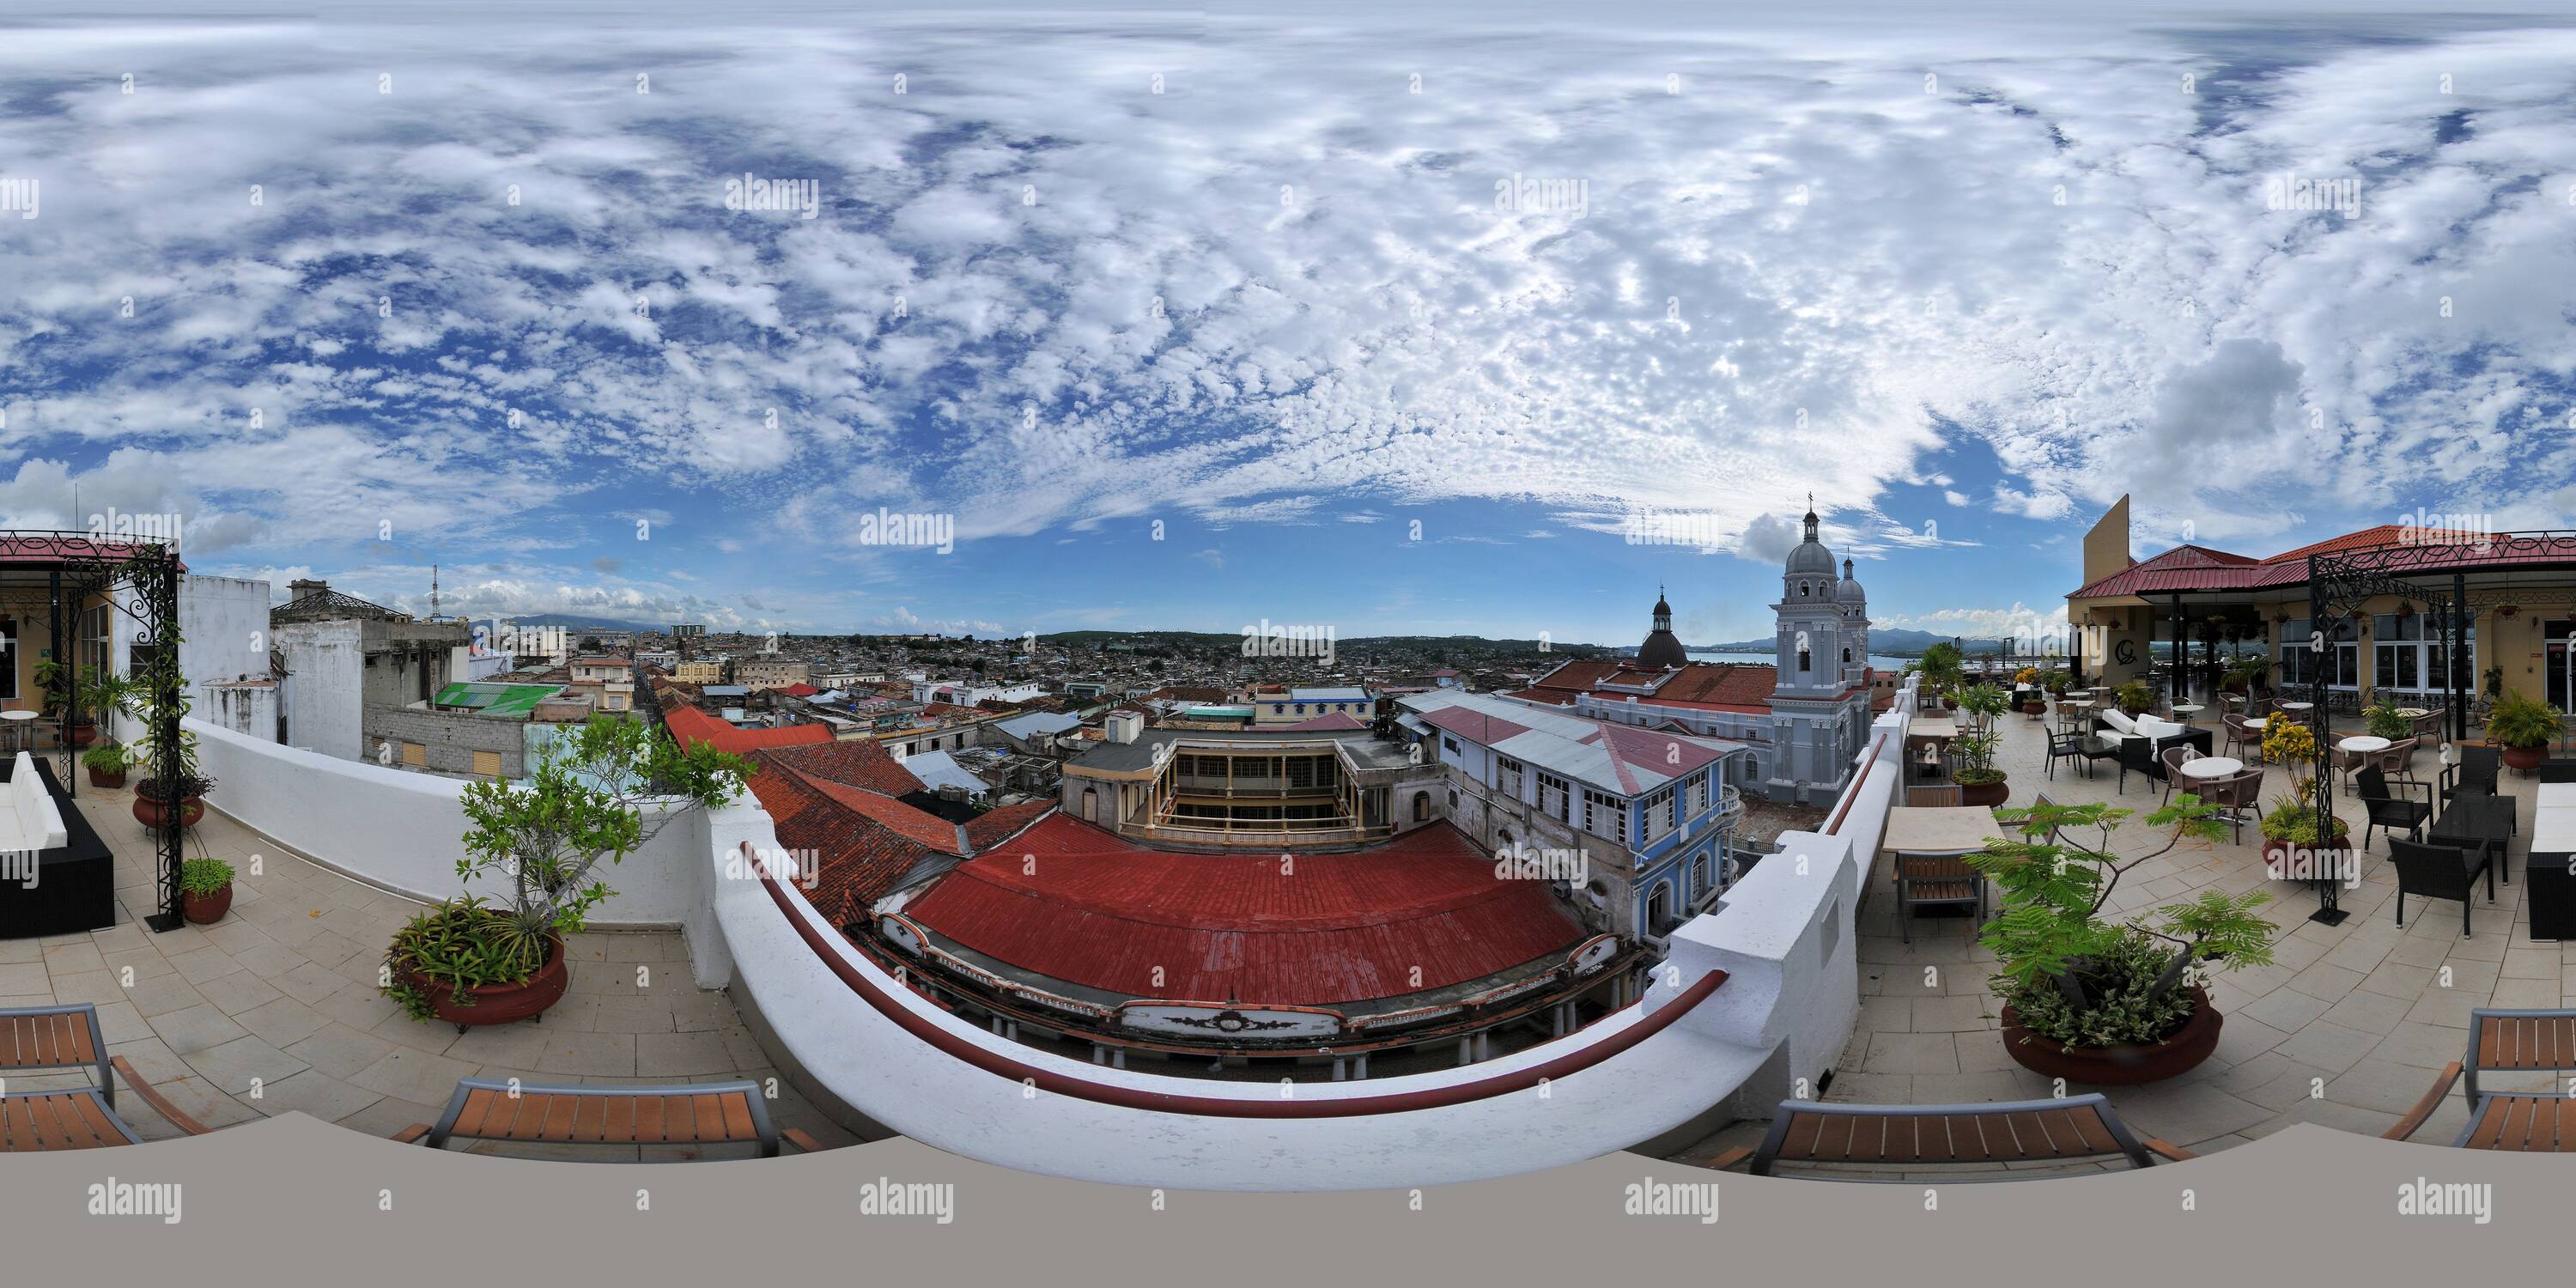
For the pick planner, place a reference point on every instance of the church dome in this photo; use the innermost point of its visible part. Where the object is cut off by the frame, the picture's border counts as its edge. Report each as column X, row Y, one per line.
column 1811, row 557
column 1662, row 648
column 1849, row 591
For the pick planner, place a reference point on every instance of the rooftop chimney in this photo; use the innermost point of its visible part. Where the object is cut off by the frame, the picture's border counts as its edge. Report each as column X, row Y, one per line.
column 302, row 586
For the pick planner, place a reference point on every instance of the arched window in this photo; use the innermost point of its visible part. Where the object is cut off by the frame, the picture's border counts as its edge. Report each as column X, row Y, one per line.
column 1422, row 807
column 1659, row 908
column 1802, row 659
column 1847, row 657
column 1802, row 590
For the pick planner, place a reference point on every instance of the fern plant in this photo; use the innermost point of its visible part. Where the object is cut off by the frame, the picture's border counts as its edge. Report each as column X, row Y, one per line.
column 2085, row 979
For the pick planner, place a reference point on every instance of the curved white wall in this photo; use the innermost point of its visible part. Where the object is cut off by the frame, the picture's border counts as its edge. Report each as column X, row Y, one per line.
column 1784, row 933
column 404, row 831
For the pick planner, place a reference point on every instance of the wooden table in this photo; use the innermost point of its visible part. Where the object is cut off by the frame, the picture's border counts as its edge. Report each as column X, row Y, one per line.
column 1939, row 727
column 1939, row 829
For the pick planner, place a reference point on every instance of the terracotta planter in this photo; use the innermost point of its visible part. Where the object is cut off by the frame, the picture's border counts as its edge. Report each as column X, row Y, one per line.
column 2525, row 759
column 1949, row 704
column 149, row 811
column 2120, row 1066
column 2034, row 708
column 207, row 909
column 83, row 734
column 498, row 1003
column 1987, row 795
column 101, row 778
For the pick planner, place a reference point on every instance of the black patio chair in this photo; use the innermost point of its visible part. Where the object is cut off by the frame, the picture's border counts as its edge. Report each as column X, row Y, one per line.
column 2391, row 812
column 2064, row 746
column 2440, row 872
column 2476, row 772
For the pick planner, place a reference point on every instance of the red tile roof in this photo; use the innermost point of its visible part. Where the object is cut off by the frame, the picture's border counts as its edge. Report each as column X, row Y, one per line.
column 992, row 827
column 1095, row 910
column 2188, row 568
column 690, row 725
column 859, row 763
column 917, row 826
column 800, row 690
column 1467, row 723
column 1336, row 720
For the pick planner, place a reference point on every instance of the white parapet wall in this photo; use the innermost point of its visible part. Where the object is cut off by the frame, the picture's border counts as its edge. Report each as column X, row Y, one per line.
column 404, row 832
column 1784, row 935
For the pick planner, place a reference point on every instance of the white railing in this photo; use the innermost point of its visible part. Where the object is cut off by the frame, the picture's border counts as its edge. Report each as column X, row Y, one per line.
column 402, row 832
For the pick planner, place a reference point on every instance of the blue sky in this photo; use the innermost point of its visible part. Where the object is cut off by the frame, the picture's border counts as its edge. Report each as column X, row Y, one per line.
column 361, row 295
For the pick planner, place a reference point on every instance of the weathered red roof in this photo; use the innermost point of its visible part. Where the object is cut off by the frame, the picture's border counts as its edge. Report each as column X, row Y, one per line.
column 859, row 762
column 2190, row 568
column 800, row 690
column 1335, row 720
column 1468, row 723
column 1096, row 910
column 689, row 725
column 992, row 827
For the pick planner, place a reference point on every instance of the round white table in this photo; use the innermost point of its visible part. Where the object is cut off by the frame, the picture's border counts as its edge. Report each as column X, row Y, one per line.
column 20, row 728
column 2362, row 744
column 2187, row 710
column 2295, row 706
column 2212, row 767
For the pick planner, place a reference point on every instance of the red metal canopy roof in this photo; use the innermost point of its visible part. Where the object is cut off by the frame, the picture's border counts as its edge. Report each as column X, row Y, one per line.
column 1070, row 901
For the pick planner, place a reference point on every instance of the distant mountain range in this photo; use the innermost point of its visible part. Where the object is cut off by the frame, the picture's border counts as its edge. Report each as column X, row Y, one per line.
column 575, row 622
column 1882, row 639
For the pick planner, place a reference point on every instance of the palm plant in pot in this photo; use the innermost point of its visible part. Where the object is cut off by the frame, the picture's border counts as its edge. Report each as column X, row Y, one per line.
column 107, row 763
column 2107, row 1000
column 2381, row 720
column 2250, row 673
column 2134, row 698
column 540, row 843
column 2524, row 727
column 1942, row 666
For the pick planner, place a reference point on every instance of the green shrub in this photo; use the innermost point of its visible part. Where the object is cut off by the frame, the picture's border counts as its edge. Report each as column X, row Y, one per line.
column 2122, row 1005
column 2523, row 722
column 204, row 876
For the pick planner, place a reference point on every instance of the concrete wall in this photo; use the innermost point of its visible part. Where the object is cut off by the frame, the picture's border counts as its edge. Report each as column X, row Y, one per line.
column 322, row 689
column 448, row 739
column 223, row 635
column 403, row 832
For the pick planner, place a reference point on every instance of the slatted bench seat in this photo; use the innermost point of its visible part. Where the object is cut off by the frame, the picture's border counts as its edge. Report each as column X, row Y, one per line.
column 715, row 1113
column 2075, row 1129
column 64, row 1038
column 2538, row 1122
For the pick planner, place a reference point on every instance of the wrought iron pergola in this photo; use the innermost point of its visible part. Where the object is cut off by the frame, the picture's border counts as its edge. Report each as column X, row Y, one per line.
column 75, row 567
column 2340, row 587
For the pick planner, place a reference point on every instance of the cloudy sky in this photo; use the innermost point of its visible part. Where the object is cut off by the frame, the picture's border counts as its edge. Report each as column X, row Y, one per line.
column 1398, row 324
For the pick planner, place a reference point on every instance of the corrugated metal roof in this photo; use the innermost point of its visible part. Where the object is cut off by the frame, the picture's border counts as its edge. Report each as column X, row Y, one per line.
column 1095, row 910
column 1613, row 757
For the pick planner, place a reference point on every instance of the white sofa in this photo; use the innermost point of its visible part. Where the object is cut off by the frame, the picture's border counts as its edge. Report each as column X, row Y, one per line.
column 2148, row 727
column 28, row 819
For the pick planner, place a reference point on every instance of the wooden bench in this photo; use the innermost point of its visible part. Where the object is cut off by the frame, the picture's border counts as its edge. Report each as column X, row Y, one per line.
column 715, row 1113
column 63, row 1038
column 2540, row 1122
column 1988, row 1135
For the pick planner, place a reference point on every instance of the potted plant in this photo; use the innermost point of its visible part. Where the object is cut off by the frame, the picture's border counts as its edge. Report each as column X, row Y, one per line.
column 2248, row 673
column 2134, row 698
column 106, row 763
column 541, row 842
column 2524, row 727
column 1942, row 666
column 2027, row 683
column 183, row 790
column 205, row 890
column 2381, row 720
column 1980, row 782
column 2104, row 1000
column 2057, row 682
column 1983, row 703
